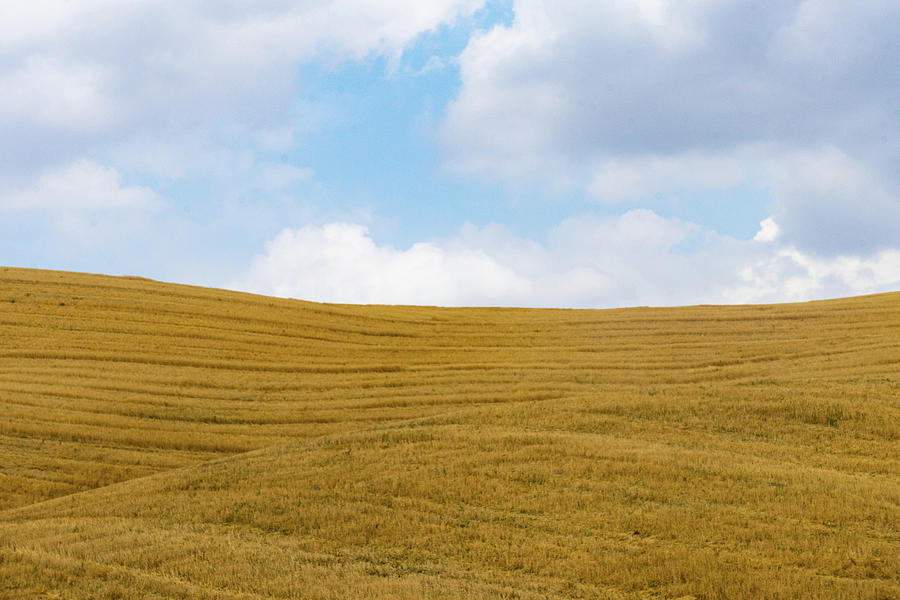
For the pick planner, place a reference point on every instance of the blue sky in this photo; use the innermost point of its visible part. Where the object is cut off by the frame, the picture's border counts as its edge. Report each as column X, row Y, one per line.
column 457, row 152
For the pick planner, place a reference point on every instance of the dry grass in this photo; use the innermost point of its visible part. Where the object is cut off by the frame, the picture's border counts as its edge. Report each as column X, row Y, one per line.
column 161, row 441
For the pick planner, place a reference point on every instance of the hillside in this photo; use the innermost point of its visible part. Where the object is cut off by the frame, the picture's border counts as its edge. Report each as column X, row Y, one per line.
column 166, row 441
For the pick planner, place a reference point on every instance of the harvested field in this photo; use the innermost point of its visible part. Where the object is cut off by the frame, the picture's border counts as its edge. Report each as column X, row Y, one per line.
column 166, row 441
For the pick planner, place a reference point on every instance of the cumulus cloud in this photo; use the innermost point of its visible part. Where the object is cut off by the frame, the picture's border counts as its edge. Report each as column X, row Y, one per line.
column 86, row 208
column 55, row 93
column 823, row 200
column 82, row 186
column 829, row 203
column 630, row 99
column 597, row 80
column 339, row 262
column 619, row 180
column 589, row 261
column 85, row 73
column 768, row 231
column 790, row 275
column 434, row 63
column 278, row 176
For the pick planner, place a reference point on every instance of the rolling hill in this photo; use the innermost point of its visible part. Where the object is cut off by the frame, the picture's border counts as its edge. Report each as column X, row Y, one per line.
column 167, row 441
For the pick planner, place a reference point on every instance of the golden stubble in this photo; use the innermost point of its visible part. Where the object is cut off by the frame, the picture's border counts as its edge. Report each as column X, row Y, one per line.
column 177, row 442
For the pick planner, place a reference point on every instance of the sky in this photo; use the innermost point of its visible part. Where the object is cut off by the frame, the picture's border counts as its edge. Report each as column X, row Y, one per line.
column 575, row 153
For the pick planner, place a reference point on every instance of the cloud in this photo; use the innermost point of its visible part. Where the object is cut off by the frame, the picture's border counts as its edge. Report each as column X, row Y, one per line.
column 84, row 77
column 434, row 63
column 279, row 176
column 630, row 99
column 82, row 186
column 589, row 261
column 791, row 275
column 828, row 203
column 54, row 93
column 823, row 200
column 768, row 231
column 618, row 180
column 613, row 79
column 80, row 215
column 339, row 262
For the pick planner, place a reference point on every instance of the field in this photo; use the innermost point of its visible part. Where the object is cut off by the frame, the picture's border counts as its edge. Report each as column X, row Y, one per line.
column 166, row 441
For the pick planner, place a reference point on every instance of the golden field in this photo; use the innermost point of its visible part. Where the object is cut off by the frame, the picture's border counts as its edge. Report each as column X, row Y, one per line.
column 166, row 441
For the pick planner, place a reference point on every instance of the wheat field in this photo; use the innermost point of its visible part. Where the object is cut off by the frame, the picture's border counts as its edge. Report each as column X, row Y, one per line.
column 167, row 441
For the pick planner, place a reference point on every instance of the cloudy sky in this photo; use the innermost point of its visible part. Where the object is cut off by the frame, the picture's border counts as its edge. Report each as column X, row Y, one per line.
column 574, row 153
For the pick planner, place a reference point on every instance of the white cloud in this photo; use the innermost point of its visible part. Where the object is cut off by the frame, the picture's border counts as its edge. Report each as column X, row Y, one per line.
column 832, row 32
column 77, row 187
column 618, row 180
column 791, row 275
column 339, row 262
column 434, row 63
column 185, row 47
column 768, row 231
column 28, row 23
column 82, row 77
column 278, row 138
column 829, row 203
column 174, row 156
column 589, row 261
column 55, row 93
column 631, row 99
column 279, row 176
column 595, row 81
column 82, row 211
column 823, row 200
